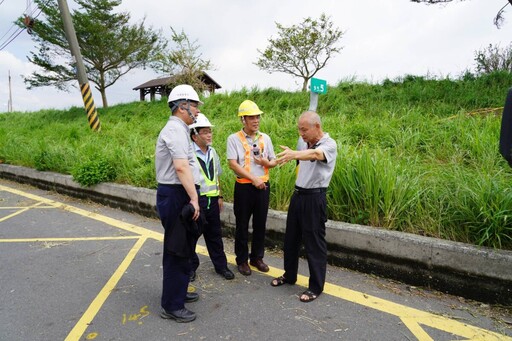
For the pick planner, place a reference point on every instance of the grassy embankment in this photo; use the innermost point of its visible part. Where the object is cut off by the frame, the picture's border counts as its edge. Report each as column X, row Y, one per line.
column 415, row 155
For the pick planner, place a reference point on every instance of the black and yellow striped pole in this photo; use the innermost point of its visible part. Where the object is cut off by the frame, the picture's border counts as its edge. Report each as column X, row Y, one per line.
column 90, row 108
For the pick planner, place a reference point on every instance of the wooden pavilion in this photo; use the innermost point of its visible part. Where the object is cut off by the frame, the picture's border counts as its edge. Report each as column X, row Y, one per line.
column 159, row 86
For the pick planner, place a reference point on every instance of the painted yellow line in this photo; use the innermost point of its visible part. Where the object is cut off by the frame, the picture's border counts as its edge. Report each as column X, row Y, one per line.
column 113, row 222
column 116, row 223
column 416, row 329
column 412, row 318
column 35, row 240
column 20, row 210
column 86, row 319
column 18, row 207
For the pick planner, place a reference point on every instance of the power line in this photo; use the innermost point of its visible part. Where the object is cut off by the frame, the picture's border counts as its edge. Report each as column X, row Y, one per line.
column 28, row 12
column 14, row 25
column 10, row 41
column 9, row 30
column 15, row 34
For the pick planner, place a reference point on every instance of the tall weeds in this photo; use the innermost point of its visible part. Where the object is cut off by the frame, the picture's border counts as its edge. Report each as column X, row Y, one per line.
column 415, row 154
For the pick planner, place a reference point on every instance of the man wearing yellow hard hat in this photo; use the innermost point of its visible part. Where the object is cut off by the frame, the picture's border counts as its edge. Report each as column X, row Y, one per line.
column 250, row 154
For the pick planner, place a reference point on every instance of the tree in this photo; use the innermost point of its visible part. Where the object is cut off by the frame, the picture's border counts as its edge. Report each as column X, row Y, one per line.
column 185, row 63
column 301, row 50
column 498, row 19
column 110, row 46
column 493, row 58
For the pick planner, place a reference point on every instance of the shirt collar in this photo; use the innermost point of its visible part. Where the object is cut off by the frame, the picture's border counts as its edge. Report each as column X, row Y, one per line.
column 198, row 149
column 322, row 140
column 256, row 136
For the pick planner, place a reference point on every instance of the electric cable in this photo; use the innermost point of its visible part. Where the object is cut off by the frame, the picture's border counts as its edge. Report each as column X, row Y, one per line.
column 9, row 30
column 15, row 34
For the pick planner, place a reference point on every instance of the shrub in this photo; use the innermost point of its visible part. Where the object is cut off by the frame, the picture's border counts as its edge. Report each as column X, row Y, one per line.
column 94, row 172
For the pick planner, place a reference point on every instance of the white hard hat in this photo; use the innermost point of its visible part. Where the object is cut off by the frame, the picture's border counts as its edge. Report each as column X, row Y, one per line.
column 201, row 122
column 183, row 92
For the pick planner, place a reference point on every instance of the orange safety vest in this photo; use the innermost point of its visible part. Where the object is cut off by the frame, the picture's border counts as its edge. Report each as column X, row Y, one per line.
column 247, row 159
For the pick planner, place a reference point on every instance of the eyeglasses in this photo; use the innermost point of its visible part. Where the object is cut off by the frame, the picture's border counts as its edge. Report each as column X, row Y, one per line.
column 205, row 132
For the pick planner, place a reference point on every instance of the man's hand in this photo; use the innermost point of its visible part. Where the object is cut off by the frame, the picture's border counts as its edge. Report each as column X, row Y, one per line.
column 195, row 204
column 286, row 155
column 259, row 184
column 262, row 161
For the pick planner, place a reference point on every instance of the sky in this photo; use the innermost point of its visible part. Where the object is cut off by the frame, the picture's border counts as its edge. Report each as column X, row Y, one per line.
column 382, row 39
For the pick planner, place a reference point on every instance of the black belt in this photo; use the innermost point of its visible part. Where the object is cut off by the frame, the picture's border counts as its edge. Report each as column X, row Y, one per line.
column 300, row 190
column 175, row 185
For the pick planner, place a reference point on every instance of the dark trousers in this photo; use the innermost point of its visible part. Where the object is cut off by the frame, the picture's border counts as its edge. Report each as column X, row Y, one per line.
column 250, row 201
column 212, row 234
column 305, row 222
column 170, row 200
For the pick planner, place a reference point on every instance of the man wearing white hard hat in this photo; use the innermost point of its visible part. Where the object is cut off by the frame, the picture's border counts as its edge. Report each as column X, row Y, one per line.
column 177, row 174
column 210, row 199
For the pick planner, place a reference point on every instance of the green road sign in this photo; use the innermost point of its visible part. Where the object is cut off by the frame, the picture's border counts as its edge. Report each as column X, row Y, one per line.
column 318, row 86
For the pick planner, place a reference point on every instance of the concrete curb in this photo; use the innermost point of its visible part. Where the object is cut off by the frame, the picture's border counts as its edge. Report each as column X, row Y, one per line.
column 466, row 270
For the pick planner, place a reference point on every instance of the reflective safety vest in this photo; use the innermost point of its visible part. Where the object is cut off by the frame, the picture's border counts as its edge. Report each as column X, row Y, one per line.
column 247, row 158
column 208, row 187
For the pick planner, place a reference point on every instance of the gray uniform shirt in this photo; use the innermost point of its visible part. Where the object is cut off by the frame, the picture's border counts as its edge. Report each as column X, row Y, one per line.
column 174, row 143
column 317, row 174
column 235, row 151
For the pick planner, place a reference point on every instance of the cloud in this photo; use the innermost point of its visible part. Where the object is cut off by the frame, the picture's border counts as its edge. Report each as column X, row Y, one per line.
column 383, row 39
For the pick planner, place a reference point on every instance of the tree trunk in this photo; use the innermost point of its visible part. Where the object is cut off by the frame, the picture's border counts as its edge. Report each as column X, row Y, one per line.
column 102, row 89
column 104, row 98
column 305, row 85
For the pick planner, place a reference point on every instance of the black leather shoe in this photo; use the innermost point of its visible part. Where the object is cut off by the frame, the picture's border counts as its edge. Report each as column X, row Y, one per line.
column 191, row 297
column 181, row 315
column 192, row 275
column 226, row 273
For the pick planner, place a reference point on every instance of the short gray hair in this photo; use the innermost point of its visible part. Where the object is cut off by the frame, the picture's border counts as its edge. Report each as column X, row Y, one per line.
column 311, row 117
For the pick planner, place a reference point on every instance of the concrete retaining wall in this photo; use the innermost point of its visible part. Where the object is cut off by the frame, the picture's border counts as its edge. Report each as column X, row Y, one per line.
column 474, row 272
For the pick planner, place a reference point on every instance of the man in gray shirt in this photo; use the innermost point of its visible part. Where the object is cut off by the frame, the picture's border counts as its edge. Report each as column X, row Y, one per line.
column 250, row 154
column 316, row 156
column 177, row 174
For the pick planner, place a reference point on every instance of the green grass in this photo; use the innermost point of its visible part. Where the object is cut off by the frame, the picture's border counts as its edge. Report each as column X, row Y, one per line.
column 415, row 154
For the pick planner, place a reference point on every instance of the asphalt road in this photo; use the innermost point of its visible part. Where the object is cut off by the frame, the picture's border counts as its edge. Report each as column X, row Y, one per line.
column 74, row 270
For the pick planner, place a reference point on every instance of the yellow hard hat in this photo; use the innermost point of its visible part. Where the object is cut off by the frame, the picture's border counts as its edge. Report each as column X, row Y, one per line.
column 248, row 108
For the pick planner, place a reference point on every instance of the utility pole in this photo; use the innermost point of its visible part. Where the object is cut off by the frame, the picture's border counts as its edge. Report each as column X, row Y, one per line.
column 9, row 105
column 90, row 108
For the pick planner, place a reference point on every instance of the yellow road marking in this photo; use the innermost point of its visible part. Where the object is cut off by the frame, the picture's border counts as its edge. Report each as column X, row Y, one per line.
column 412, row 318
column 110, row 221
column 416, row 329
column 35, row 240
column 20, row 210
column 17, row 207
column 79, row 329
